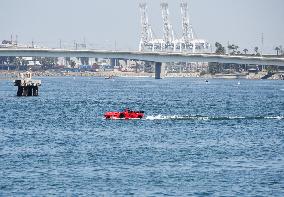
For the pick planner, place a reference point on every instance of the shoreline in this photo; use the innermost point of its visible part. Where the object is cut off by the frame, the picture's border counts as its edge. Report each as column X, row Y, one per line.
column 10, row 75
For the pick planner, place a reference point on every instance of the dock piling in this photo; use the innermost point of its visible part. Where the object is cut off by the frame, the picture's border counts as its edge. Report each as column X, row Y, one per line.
column 27, row 86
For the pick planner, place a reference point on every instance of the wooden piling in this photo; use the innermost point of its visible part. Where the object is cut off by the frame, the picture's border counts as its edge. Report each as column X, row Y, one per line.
column 27, row 86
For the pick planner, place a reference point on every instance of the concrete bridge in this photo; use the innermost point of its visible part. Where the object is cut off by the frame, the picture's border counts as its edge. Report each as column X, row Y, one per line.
column 158, row 57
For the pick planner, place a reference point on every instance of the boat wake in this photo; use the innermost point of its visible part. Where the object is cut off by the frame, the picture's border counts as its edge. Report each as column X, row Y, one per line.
column 207, row 118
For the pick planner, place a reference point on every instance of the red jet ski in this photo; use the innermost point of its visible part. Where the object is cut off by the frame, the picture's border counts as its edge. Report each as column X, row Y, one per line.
column 125, row 115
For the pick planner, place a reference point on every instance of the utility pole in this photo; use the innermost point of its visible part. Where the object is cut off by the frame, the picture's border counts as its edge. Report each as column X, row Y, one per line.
column 228, row 48
column 16, row 40
column 262, row 41
column 84, row 44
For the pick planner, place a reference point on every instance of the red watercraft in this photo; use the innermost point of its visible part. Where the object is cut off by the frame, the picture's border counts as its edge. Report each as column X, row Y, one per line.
column 126, row 114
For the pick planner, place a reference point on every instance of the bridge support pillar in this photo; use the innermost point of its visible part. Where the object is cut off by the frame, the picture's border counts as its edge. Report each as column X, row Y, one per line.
column 113, row 62
column 158, row 69
column 84, row 60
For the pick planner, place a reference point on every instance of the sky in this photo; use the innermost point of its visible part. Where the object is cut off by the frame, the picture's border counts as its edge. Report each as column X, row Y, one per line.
column 110, row 24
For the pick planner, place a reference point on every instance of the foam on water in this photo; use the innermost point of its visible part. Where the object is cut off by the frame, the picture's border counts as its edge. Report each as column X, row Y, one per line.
column 206, row 118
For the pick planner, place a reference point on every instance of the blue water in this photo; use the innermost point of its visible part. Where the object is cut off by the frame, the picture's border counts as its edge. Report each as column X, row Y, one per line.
column 197, row 139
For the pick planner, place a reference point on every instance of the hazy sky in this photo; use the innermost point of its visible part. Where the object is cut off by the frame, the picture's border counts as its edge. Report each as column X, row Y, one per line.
column 110, row 23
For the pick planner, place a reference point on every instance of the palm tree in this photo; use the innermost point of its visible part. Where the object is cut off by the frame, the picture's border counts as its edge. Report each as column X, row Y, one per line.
column 245, row 51
column 219, row 49
column 67, row 59
column 256, row 49
column 4, row 60
column 230, row 47
column 17, row 62
column 277, row 49
column 72, row 63
column 20, row 59
column 11, row 60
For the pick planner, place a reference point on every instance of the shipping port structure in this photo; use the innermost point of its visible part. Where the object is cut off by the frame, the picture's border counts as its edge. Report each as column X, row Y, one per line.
column 169, row 43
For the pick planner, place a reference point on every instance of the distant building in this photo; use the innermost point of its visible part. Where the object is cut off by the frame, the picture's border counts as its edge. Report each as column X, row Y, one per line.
column 8, row 44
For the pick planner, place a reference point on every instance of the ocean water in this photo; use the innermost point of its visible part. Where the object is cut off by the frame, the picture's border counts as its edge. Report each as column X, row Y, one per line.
column 221, row 138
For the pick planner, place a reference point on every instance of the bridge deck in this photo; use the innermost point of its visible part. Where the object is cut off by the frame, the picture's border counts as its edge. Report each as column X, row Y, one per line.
column 145, row 56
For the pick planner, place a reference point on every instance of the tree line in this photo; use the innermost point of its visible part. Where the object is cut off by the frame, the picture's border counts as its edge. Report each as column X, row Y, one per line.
column 235, row 50
column 44, row 62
